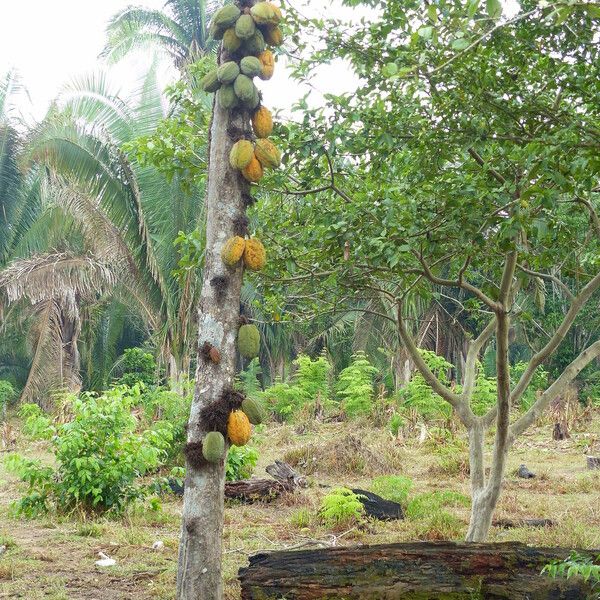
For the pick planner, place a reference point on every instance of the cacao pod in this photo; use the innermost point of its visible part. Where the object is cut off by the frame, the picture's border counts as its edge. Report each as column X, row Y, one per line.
column 244, row 88
column 273, row 36
column 231, row 42
column 267, row 153
column 268, row 64
column 254, row 171
column 262, row 122
column 245, row 27
column 241, row 154
column 248, row 341
column 213, row 447
column 228, row 72
column 251, row 66
column 210, row 82
column 226, row 97
column 255, row 257
column 255, row 45
column 238, row 428
column 233, row 250
column 253, row 411
column 226, row 16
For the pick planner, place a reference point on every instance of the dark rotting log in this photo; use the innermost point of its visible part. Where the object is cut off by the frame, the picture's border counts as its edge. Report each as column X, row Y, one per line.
column 252, row 490
column 412, row 571
column 377, row 507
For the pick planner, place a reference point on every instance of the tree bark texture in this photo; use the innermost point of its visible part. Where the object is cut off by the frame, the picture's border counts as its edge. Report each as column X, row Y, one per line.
column 200, row 551
column 413, row 571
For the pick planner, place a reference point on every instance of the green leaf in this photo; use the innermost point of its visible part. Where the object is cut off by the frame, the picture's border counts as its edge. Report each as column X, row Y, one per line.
column 460, row 44
column 426, row 32
column 494, row 8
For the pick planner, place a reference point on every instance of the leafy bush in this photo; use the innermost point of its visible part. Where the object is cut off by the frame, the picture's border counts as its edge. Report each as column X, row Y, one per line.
column 426, row 504
column 137, row 366
column 240, row 462
column 249, row 379
column 440, row 525
column 310, row 382
column 166, row 406
column 355, row 386
column 396, row 423
column 418, row 395
column 37, row 425
column 591, row 389
column 99, row 455
column 392, row 487
column 575, row 565
column 341, row 508
column 7, row 395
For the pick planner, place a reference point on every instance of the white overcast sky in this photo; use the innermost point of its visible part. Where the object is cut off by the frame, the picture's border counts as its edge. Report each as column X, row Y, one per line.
column 51, row 42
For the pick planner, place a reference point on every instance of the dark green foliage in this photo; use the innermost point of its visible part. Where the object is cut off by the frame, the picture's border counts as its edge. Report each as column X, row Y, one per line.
column 240, row 462
column 355, row 386
column 137, row 366
column 99, row 457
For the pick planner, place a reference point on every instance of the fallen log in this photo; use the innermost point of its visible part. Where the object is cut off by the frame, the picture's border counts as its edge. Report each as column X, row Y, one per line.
column 252, row 490
column 431, row 570
column 593, row 462
column 377, row 507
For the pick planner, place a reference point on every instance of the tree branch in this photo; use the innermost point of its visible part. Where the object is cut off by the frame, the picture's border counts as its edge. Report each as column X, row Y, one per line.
column 557, row 388
column 576, row 306
column 456, row 401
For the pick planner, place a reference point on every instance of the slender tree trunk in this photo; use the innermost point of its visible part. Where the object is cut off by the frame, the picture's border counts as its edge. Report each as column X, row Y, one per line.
column 199, row 571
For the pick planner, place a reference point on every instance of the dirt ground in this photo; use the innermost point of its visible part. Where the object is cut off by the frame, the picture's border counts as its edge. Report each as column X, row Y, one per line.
column 55, row 557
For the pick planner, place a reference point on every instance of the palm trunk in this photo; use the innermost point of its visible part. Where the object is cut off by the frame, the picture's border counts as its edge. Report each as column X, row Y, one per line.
column 199, row 571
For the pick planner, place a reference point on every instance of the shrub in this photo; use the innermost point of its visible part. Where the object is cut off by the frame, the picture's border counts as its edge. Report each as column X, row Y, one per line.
column 37, row 425
column 575, row 565
column 249, row 379
column 440, row 525
column 341, row 508
column 418, row 395
column 310, row 382
column 137, row 366
column 7, row 395
column 99, row 456
column 392, row 487
column 300, row 518
column 240, row 462
column 426, row 504
column 396, row 423
column 355, row 386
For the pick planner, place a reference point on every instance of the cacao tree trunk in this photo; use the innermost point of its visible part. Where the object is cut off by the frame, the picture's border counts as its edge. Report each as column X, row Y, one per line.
column 199, row 569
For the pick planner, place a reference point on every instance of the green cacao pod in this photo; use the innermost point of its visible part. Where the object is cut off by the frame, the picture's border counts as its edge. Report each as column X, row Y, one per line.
column 253, row 411
column 226, row 17
column 267, row 153
column 228, row 71
column 215, row 32
column 226, row 97
column 245, row 27
column 210, row 82
column 231, row 42
column 255, row 45
column 265, row 13
column 249, row 341
column 254, row 101
column 244, row 88
column 241, row 154
column 251, row 66
column 213, row 447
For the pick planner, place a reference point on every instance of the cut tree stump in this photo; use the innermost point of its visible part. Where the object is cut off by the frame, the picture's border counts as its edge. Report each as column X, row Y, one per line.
column 377, row 507
column 593, row 462
column 560, row 432
column 413, row 571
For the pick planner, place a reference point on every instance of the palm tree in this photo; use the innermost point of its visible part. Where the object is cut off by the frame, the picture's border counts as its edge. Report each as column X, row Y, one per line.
column 180, row 30
column 115, row 212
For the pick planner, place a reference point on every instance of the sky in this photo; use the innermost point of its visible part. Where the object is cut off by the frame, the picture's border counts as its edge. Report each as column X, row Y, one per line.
column 51, row 42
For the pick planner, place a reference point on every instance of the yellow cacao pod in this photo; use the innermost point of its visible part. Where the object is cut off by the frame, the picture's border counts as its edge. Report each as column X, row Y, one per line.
column 233, row 250
column 254, row 171
column 241, row 154
column 262, row 122
column 268, row 65
column 231, row 42
column 267, row 153
column 238, row 428
column 265, row 13
column 273, row 36
column 255, row 256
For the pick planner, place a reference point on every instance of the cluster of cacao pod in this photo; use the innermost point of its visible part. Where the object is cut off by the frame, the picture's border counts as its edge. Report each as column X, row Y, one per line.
column 239, row 431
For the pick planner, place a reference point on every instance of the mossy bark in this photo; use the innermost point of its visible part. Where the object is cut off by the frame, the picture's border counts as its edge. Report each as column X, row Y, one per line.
column 413, row 571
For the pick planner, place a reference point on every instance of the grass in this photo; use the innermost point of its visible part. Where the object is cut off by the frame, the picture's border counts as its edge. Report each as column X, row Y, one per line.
column 55, row 557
